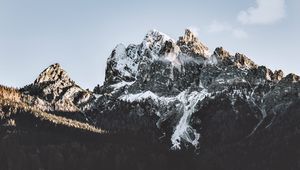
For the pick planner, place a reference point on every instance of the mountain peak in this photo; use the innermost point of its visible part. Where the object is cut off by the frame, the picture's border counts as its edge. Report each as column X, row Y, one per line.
column 155, row 41
column 191, row 45
column 155, row 34
column 54, row 90
column 221, row 52
column 292, row 78
column 190, row 35
column 52, row 73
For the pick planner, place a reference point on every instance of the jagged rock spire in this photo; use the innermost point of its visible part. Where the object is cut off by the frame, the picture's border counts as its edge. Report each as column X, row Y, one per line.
column 54, row 90
column 292, row 78
column 221, row 52
column 190, row 44
column 53, row 73
column 278, row 75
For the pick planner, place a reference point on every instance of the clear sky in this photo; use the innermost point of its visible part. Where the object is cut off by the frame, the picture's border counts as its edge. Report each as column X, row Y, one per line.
column 80, row 34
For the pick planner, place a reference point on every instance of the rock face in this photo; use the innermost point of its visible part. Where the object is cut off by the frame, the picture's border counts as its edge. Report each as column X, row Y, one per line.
column 53, row 90
column 190, row 45
column 54, row 73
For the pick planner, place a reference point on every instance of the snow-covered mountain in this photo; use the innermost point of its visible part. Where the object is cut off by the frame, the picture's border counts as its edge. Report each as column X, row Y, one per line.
column 173, row 82
column 165, row 95
column 177, row 81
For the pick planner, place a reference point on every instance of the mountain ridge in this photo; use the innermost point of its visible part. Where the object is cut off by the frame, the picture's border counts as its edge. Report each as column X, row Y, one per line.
column 158, row 68
column 179, row 96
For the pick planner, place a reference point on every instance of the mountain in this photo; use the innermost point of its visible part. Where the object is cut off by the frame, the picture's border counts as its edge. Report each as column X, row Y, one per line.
column 54, row 91
column 17, row 113
column 170, row 104
column 177, row 82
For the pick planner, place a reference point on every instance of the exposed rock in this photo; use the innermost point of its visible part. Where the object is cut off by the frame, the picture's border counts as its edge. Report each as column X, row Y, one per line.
column 223, row 57
column 53, row 90
column 278, row 75
column 170, row 48
column 293, row 78
column 264, row 73
column 242, row 61
column 52, row 74
column 190, row 45
column 221, row 52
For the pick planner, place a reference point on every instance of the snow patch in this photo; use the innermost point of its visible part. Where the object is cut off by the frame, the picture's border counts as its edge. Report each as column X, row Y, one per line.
column 139, row 97
column 125, row 65
column 188, row 101
column 154, row 41
column 212, row 60
column 121, row 84
column 183, row 130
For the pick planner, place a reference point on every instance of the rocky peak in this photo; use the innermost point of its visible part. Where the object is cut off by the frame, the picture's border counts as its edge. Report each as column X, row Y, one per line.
column 264, row 73
column 292, row 78
column 190, row 44
column 278, row 75
column 221, row 52
column 242, row 60
column 169, row 47
column 124, row 62
column 54, row 90
column 52, row 74
column 154, row 41
column 223, row 56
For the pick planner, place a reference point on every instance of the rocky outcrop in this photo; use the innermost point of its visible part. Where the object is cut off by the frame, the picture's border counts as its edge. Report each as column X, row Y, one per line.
column 242, row 61
column 278, row 75
column 190, row 45
column 292, row 78
column 53, row 90
column 54, row 73
column 222, row 53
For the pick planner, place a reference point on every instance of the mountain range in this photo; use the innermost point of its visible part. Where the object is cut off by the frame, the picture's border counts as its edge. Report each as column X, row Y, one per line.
column 164, row 104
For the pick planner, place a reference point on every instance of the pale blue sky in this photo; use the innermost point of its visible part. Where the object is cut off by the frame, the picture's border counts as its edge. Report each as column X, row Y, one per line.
column 80, row 34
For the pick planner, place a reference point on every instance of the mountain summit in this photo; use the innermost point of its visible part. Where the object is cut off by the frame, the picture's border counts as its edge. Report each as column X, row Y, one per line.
column 53, row 73
column 190, row 45
column 53, row 90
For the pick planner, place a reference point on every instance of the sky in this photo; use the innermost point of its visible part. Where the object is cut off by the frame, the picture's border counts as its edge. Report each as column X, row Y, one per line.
column 80, row 34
